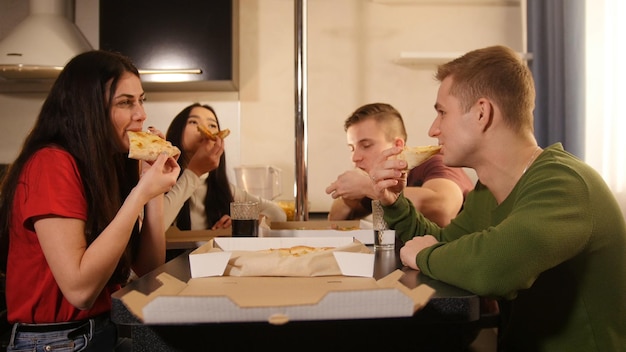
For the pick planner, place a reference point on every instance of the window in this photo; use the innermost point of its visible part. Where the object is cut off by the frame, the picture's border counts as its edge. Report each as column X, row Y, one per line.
column 606, row 92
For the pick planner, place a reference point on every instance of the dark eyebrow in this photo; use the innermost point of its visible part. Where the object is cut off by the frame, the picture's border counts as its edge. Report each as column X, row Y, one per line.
column 211, row 119
column 200, row 117
column 130, row 96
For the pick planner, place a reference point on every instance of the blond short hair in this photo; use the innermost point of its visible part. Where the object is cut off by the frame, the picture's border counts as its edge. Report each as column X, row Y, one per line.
column 496, row 73
column 385, row 115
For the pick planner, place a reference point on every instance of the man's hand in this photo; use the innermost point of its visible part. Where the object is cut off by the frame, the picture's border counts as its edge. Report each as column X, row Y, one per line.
column 388, row 176
column 411, row 248
column 354, row 184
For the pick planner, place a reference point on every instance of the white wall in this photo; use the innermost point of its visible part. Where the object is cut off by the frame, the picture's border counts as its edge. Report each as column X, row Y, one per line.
column 352, row 50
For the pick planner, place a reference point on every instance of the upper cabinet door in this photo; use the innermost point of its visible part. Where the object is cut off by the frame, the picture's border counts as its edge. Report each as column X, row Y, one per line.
column 187, row 45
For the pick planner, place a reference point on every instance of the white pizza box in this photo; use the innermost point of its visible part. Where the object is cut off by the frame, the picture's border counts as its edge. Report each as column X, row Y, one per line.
column 276, row 300
column 360, row 230
column 206, row 262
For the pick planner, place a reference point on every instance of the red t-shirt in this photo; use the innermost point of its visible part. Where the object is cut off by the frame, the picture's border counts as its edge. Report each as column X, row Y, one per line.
column 49, row 184
column 434, row 168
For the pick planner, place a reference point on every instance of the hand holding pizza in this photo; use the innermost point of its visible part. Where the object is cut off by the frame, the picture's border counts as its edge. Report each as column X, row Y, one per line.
column 389, row 175
column 207, row 156
column 158, row 177
column 154, row 131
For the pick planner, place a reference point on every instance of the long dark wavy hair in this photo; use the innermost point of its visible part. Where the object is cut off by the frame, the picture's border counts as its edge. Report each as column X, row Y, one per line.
column 76, row 117
column 219, row 195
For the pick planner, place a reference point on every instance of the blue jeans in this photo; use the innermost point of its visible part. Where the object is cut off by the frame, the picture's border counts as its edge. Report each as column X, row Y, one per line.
column 94, row 335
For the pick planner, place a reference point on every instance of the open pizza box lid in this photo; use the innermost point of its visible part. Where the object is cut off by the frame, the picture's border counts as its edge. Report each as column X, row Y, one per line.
column 362, row 230
column 212, row 258
column 275, row 299
column 177, row 238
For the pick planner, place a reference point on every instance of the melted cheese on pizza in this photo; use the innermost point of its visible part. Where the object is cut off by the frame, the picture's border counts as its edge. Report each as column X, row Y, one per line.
column 148, row 146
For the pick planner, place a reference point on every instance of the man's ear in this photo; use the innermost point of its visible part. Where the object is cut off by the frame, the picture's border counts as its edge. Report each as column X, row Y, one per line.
column 399, row 142
column 484, row 112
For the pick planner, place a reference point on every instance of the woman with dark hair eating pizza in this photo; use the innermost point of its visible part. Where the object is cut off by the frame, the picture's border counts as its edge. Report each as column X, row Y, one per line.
column 76, row 214
column 201, row 197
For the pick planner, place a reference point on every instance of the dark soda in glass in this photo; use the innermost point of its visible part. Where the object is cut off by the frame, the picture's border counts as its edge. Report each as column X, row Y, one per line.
column 246, row 228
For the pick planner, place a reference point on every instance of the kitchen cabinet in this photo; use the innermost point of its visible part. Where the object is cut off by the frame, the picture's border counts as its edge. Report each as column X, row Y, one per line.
column 430, row 58
column 190, row 45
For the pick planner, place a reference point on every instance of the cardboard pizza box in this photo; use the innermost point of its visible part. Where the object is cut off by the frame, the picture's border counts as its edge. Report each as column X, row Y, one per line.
column 276, row 300
column 188, row 239
column 361, row 230
column 212, row 258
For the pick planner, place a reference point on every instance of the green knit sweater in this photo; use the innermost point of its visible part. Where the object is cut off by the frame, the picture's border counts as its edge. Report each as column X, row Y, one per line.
column 553, row 254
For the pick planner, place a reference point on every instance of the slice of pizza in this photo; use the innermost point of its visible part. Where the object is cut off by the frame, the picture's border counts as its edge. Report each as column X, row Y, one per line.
column 147, row 146
column 414, row 156
column 297, row 251
column 221, row 134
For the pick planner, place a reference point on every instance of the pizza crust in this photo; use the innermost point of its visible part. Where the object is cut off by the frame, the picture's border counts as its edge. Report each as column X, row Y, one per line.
column 221, row 134
column 297, row 251
column 414, row 156
column 147, row 146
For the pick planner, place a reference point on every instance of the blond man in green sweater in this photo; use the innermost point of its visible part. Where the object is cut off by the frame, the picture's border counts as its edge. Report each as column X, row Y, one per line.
column 541, row 233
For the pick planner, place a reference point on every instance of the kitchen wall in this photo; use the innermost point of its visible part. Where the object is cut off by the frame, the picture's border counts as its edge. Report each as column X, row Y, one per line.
column 354, row 49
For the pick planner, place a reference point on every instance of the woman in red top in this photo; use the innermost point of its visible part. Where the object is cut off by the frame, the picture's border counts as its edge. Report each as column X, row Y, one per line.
column 76, row 215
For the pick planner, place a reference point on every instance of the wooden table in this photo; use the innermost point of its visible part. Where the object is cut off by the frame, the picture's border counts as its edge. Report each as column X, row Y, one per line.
column 449, row 322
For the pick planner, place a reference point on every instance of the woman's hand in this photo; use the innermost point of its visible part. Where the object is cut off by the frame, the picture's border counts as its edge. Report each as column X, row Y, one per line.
column 158, row 177
column 207, row 157
column 153, row 130
column 223, row 223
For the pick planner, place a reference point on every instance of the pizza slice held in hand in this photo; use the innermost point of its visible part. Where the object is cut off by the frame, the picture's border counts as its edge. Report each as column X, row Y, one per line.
column 147, row 146
column 414, row 156
column 221, row 134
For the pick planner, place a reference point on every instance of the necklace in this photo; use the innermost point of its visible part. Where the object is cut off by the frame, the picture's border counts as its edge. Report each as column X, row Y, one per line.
column 532, row 158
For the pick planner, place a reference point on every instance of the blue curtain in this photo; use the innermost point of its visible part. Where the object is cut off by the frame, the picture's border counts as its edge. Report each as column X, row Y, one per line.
column 556, row 42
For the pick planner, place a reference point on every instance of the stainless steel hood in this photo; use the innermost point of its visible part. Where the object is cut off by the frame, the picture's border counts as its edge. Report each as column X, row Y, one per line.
column 43, row 43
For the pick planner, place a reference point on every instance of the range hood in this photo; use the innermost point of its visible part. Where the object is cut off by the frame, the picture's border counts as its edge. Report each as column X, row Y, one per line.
column 43, row 43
